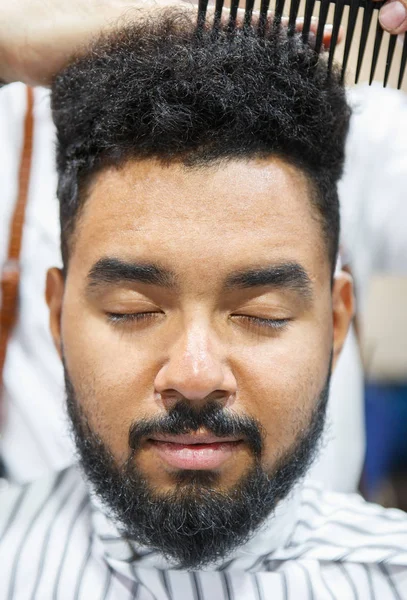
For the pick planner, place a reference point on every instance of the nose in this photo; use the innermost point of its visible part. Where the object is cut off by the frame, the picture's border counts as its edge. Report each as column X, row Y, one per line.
column 195, row 370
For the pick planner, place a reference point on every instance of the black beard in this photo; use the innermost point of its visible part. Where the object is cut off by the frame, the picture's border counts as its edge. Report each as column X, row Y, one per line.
column 194, row 525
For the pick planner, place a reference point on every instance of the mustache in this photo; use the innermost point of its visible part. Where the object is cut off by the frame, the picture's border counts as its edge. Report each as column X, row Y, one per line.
column 185, row 418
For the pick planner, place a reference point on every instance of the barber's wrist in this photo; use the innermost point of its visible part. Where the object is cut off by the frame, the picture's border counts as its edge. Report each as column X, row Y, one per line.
column 6, row 72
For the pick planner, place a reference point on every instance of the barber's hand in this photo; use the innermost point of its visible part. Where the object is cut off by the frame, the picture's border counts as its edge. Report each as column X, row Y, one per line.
column 326, row 40
column 393, row 16
column 38, row 37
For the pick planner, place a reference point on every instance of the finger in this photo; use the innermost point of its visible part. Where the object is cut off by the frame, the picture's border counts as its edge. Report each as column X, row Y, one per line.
column 327, row 31
column 393, row 16
column 328, row 36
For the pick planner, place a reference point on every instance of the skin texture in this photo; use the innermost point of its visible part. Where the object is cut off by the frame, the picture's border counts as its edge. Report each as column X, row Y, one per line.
column 39, row 37
column 393, row 16
column 199, row 344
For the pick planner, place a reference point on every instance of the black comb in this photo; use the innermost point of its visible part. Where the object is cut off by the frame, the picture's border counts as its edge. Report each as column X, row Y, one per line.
column 291, row 7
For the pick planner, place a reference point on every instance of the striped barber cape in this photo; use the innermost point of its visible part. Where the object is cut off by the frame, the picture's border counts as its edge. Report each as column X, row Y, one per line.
column 56, row 543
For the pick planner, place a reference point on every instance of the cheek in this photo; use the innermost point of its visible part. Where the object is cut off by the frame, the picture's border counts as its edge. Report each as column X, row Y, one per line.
column 111, row 373
column 281, row 385
column 279, row 379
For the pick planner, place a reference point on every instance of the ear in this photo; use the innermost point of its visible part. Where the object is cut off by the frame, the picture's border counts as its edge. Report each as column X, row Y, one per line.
column 343, row 306
column 54, row 296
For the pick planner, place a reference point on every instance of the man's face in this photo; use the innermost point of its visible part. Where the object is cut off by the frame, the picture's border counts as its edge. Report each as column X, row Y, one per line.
column 198, row 288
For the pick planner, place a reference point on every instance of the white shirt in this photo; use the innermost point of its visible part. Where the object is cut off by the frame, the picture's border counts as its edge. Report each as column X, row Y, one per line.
column 373, row 190
column 34, row 436
column 56, row 543
column 374, row 216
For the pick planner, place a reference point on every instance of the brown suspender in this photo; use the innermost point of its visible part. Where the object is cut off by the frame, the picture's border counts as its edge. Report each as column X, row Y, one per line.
column 10, row 276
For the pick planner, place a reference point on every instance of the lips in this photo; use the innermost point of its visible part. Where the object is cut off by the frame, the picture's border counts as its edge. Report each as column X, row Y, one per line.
column 194, row 451
column 192, row 439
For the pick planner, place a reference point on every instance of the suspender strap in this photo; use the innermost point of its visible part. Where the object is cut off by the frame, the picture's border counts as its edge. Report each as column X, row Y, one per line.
column 10, row 275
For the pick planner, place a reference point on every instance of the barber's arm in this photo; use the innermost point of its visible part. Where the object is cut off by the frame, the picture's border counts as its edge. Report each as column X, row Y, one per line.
column 38, row 38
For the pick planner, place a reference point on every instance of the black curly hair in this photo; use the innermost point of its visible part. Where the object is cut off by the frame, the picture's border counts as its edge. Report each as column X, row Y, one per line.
column 169, row 89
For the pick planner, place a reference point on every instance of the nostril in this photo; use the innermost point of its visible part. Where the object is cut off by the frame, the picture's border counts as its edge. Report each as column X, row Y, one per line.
column 183, row 376
column 168, row 396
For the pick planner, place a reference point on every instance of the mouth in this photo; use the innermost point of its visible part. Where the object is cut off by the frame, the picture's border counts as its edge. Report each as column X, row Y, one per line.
column 194, row 451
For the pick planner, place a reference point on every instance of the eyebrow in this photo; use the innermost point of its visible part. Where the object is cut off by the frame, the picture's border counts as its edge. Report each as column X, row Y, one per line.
column 290, row 276
column 113, row 271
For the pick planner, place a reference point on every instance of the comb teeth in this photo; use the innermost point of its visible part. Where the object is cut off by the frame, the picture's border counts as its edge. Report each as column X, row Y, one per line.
column 323, row 14
column 353, row 15
column 368, row 7
column 218, row 12
column 339, row 5
column 264, row 7
column 376, row 50
column 367, row 19
column 234, row 5
column 278, row 12
column 403, row 62
column 202, row 8
column 295, row 4
column 309, row 9
column 248, row 12
column 389, row 59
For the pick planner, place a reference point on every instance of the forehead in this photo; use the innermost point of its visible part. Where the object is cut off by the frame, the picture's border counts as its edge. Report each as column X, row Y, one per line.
column 227, row 214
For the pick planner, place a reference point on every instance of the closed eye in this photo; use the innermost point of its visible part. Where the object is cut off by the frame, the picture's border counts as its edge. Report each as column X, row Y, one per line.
column 276, row 324
column 122, row 318
column 117, row 318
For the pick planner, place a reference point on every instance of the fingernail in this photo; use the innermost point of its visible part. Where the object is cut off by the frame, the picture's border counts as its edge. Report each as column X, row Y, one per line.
column 400, row 38
column 312, row 38
column 392, row 15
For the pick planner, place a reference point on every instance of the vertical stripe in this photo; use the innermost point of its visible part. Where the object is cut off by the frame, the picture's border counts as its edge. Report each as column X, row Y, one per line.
column 150, row 580
column 226, row 586
column 74, row 519
column 108, row 583
column 308, row 580
column 326, row 584
column 44, row 548
column 166, row 583
column 370, row 581
column 348, row 579
column 27, row 532
column 53, row 551
column 136, row 586
column 135, row 590
column 14, row 512
column 242, row 585
column 390, row 581
column 82, row 570
column 284, row 585
column 259, row 587
column 196, row 586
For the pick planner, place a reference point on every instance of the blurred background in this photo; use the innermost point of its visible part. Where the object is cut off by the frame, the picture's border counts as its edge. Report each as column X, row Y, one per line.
column 374, row 245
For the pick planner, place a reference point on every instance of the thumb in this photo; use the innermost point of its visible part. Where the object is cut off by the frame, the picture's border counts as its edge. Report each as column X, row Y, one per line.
column 393, row 16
